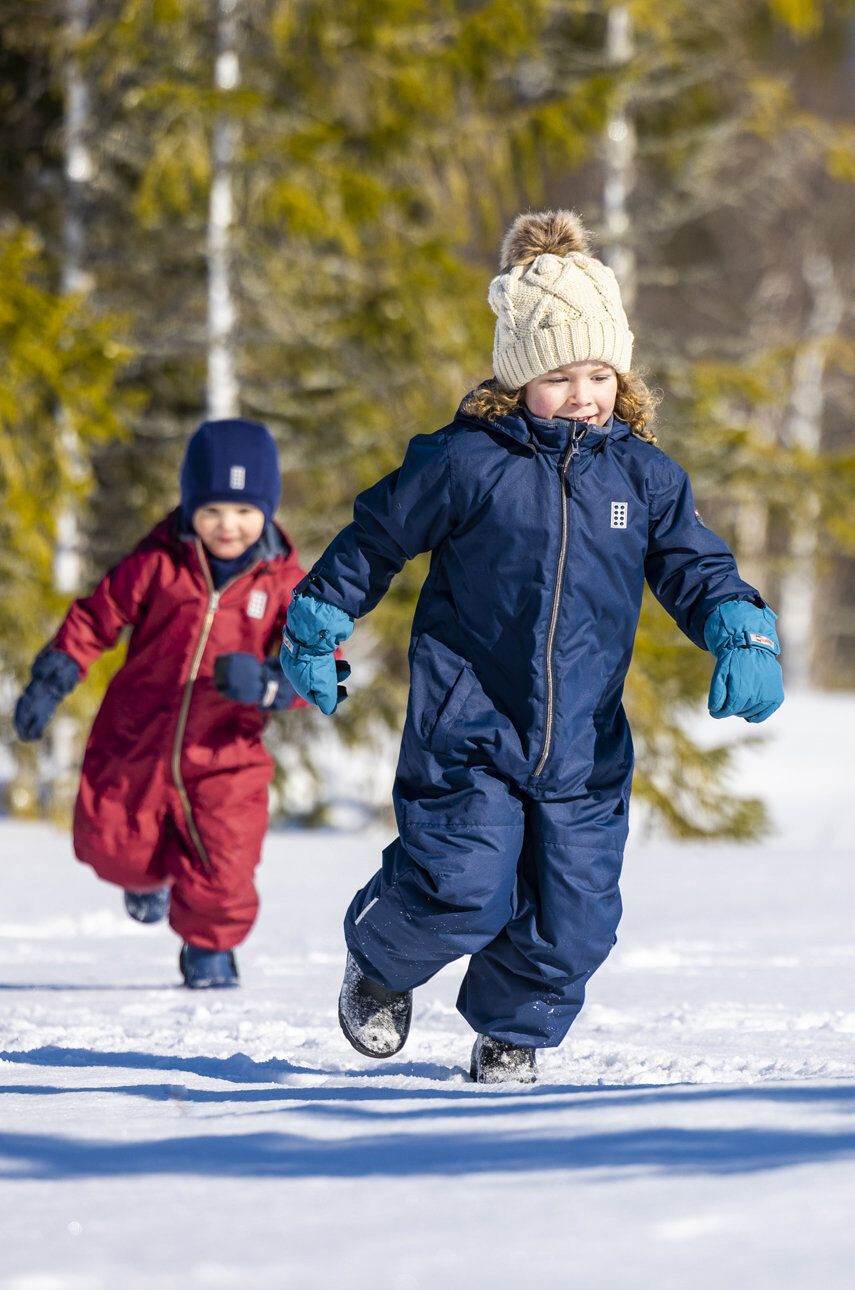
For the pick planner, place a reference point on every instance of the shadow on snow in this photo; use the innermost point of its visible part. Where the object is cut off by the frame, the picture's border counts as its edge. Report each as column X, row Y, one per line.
column 396, row 1155
column 446, row 1151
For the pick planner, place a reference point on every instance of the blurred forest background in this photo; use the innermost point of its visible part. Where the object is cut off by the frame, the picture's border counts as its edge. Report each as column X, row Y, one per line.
column 292, row 209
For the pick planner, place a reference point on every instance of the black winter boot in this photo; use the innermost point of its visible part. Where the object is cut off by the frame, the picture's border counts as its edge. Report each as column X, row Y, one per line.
column 496, row 1062
column 376, row 1021
column 207, row 969
column 148, row 906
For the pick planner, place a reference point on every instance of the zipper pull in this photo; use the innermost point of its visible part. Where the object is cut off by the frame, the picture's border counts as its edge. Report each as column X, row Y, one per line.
column 576, row 437
column 214, row 602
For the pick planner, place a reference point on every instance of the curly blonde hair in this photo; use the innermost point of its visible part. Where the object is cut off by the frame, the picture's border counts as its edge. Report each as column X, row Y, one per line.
column 635, row 404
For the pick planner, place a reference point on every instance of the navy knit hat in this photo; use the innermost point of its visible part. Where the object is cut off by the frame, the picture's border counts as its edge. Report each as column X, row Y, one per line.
column 231, row 461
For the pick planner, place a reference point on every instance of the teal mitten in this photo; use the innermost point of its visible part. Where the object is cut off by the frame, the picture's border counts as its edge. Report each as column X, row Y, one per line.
column 313, row 632
column 747, row 681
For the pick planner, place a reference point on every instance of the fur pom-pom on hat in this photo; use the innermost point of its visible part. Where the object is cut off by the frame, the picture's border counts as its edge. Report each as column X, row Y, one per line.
column 537, row 233
column 555, row 302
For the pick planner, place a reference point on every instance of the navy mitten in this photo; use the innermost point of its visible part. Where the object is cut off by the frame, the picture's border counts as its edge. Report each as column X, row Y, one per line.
column 747, row 681
column 258, row 682
column 313, row 632
column 54, row 675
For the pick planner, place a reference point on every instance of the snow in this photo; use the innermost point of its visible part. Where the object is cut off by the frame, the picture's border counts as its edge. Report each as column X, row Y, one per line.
column 696, row 1128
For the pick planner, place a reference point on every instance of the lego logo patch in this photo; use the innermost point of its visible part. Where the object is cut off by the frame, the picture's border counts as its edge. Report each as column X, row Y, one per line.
column 256, row 604
column 237, row 478
column 620, row 511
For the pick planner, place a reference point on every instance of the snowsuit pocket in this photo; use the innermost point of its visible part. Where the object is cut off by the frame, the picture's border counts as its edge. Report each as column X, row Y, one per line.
column 441, row 734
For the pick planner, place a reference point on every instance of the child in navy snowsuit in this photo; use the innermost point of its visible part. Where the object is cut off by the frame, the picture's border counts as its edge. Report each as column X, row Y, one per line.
column 545, row 505
column 172, row 804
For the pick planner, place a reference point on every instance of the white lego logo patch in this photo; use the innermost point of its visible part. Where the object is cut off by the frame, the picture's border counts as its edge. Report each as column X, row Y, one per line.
column 237, row 477
column 620, row 510
column 256, row 604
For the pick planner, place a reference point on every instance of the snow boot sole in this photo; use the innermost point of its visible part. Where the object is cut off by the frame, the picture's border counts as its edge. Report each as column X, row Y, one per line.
column 375, row 1021
column 496, row 1062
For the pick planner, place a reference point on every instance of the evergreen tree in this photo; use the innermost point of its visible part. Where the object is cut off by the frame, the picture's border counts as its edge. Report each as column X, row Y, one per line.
column 53, row 353
column 382, row 149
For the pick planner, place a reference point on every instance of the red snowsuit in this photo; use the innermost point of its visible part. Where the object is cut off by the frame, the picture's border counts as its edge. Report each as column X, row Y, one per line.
column 175, row 775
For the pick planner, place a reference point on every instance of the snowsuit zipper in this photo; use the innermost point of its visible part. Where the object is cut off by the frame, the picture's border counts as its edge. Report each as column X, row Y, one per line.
column 213, row 605
column 572, row 451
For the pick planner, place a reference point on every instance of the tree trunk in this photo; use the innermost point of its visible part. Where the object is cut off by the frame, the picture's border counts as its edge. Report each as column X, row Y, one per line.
column 78, row 165
column 223, row 394
column 78, row 168
column 619, row 159
column 804, row 429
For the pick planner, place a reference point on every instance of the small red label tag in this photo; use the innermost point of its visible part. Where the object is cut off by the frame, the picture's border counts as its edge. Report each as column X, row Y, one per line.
column 761, row 640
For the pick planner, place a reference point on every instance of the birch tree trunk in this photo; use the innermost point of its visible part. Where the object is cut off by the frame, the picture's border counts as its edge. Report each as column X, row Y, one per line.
column 804, row 429
column 222, row 392
column 78, row 166
column 619, row 160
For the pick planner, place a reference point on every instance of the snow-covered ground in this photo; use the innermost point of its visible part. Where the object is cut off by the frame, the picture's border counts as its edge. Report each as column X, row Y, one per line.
column 695, row 1130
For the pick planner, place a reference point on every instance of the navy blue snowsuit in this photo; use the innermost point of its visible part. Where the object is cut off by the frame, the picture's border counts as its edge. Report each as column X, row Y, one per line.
column 513, row 783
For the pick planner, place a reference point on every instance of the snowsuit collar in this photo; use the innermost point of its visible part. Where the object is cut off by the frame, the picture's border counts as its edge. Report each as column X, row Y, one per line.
column 554, row 435
column 222, row 571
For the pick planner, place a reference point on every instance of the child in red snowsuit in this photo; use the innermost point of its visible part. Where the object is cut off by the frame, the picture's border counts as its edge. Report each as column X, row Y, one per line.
column 172, row 803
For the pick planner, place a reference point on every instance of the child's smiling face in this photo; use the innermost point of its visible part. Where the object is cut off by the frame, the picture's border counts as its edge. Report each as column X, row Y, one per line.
column 228, row 529
column 584, row 391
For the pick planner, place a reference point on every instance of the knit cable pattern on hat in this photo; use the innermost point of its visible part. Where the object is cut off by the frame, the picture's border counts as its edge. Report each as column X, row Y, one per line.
column 558, row 309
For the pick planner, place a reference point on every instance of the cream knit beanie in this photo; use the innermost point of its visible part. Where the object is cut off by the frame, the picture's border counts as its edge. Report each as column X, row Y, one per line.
column 554, row 302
